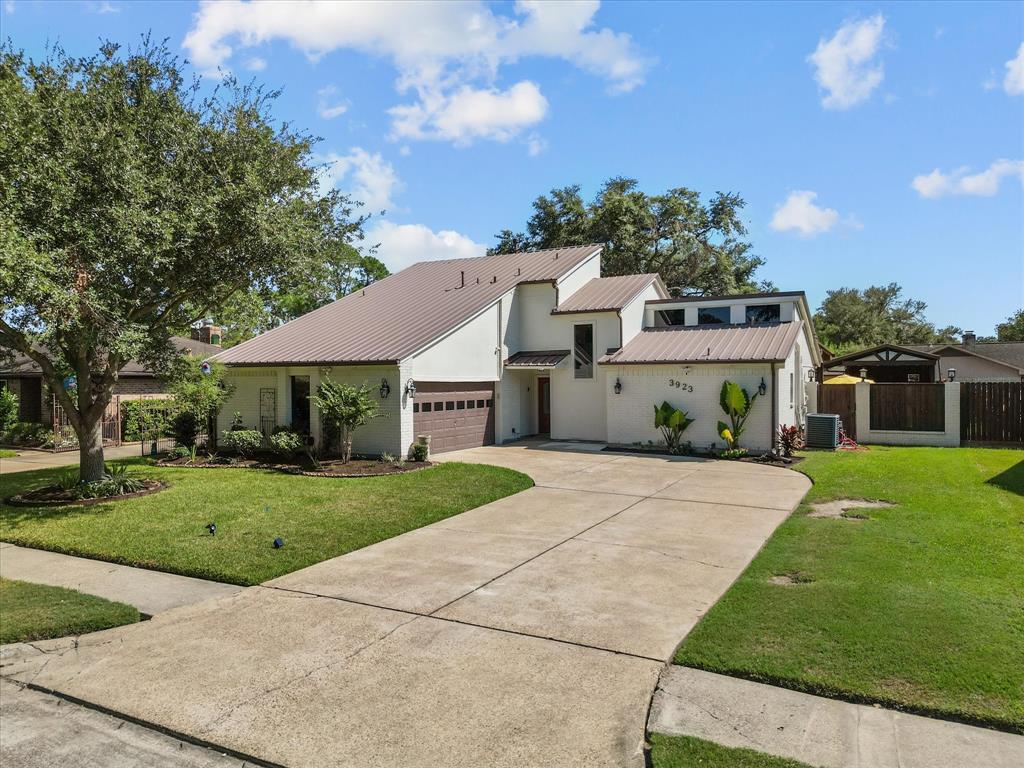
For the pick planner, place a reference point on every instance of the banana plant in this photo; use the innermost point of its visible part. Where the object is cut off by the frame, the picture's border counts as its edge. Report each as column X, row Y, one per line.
column 736, row 403
column 672, row 422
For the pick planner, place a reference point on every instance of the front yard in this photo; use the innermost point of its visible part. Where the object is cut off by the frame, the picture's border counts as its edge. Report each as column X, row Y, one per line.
column 920, row 606
column 317, row 518
column 37, row 612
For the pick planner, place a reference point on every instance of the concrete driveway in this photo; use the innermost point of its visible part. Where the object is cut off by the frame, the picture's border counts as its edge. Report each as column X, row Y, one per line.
column 528, row 632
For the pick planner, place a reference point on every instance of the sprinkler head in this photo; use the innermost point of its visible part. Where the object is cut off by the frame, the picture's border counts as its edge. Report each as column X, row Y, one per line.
column 278, row 542
column 212, row 528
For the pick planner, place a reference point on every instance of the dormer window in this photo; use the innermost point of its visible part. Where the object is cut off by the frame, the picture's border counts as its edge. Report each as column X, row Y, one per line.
column 713, row 315
column 763, row 313
column 671, row 316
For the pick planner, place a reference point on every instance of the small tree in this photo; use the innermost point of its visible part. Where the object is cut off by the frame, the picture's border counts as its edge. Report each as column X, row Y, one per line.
column 737, row 405
column 200, row 391
column 345, row 407
column 8, row 409
column 672, row 422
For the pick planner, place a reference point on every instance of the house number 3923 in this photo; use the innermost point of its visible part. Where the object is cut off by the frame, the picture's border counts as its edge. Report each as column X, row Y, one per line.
column 680, row 385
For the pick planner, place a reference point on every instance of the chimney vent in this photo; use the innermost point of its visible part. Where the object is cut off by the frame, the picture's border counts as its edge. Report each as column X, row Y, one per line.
column 969, row 338
column 208, row 333
column 462, row 278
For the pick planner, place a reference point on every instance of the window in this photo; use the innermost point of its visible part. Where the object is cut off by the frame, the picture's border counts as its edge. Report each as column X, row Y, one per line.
column 713, row 315
column 763, row 313
column 913, row 378
column 426, row 407
column 471, row 403
column 792, row 392
column 461, row 405
column 583, row 351
column 480, row 403
column 415, row 407
column 449, row 405
column 489, row 402
column 671, row 316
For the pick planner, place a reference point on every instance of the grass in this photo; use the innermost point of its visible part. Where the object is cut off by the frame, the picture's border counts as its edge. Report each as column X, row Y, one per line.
column 919, row 607
column 689, row 752
column 37, row 612
column 318, row 518
column 7, row 453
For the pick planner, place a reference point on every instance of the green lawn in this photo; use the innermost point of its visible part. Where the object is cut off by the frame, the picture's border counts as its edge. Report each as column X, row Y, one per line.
column 37, row 612
column 688, row 752
column 920, row 607
column 318, row 518
column 7, row 453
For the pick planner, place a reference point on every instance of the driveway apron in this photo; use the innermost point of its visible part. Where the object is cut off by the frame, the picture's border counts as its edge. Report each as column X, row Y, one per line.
column 527, row 632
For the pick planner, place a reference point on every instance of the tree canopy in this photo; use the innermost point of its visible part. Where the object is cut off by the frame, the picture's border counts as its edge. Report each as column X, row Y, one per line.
column 850, row 319
column 1011, row 330
column 132, row 205
column 696, row 247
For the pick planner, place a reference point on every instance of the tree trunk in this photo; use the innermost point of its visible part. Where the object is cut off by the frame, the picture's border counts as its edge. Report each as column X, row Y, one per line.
column 346, row 445
column 90, row 450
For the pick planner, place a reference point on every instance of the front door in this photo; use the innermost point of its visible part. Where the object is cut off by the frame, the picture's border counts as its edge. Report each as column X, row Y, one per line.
column 544, row 405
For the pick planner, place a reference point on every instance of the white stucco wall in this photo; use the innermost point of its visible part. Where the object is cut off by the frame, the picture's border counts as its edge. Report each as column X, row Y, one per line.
column 580, row 276
column 971, row 368
column 469, row 353
column 578, row 408
column 392, row 432
column 535, row 327
column 631, row 414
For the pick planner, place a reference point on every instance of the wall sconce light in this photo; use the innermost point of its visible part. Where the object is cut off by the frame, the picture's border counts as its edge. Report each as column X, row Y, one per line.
column 810, row 374
column 762, row 388
column 951, row 374
column 385, row 389
column 863, row 374
column 618, row 387
column 410, row 388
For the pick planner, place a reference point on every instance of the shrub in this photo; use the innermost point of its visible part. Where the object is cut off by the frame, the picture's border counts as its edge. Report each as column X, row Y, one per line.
column 185, row 427
column 244, row 442
column 115, row 482
column 789, row 439
column 733, row 453
column 27, row 433
column 146, row 419
column 737, row 405
column 346, row 408
column 8, row 410
column 672, row 422
column 420, row 451
column 286, row 442
column 178, row 452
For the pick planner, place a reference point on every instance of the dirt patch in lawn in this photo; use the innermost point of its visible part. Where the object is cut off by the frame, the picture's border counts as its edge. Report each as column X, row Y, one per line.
column 356, row 467
column 846, row 509
column 791, row 579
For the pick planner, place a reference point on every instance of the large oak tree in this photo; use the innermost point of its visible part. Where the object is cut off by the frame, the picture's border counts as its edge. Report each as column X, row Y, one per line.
column 132, row 205
column 696, row 247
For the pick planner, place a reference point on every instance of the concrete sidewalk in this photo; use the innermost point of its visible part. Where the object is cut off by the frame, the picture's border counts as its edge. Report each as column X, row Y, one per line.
column 819, row 731
column 29, row 459
column 152, row 592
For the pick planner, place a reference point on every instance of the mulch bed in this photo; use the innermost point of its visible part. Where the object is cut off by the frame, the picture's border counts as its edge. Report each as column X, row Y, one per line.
column 752, row 459
column 357, row 467
column 55, row 496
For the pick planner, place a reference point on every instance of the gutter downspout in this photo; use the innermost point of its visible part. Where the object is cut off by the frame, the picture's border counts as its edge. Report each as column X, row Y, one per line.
column 775, row 409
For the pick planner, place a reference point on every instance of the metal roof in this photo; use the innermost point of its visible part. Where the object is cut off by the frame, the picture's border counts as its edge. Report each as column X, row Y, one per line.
column 603, row 294
column 395, row 317
column 545, row 359
column 1008, row 353
column 763, row 343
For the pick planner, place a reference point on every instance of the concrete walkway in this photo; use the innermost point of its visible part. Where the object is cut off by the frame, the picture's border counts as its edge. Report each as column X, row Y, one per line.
column 152, row 592
column 30, row 458
column 819, row 731
column 527, row 632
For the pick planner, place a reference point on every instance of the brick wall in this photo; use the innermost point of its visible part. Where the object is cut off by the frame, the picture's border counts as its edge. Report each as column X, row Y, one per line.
column 949, row 438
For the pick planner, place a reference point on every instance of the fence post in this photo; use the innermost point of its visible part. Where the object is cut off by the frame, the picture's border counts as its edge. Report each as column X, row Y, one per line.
column 862, row 393
column 952, row 426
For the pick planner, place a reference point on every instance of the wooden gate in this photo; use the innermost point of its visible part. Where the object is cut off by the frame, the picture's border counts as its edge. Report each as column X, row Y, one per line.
column 992, row 413
column 840, row 399
column 908, row 407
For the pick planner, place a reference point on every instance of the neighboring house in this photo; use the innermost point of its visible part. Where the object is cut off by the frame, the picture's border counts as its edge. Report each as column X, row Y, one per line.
column 492, row 349
column 971, row 360
column 35, row 402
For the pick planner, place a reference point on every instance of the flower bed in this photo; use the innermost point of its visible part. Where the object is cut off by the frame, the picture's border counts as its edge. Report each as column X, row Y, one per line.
column 357, row 467
column 658, row 450
column 55, row 495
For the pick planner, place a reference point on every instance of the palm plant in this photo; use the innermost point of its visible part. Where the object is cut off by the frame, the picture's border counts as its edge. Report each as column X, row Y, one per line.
column 736, row 403
column 672, row 422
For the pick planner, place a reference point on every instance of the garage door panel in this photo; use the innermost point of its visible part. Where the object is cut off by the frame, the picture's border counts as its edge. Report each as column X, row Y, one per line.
column 456, row 415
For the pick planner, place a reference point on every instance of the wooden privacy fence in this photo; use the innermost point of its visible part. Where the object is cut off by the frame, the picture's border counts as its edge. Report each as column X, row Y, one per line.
column 992, row 413
column 908, row 407
column 840, row 399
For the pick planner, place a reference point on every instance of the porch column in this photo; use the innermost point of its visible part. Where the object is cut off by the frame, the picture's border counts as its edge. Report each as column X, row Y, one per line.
column 314, row 409
column 283, row 415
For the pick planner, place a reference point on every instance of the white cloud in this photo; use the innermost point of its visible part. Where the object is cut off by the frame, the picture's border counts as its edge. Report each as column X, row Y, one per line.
column 255, row 64
column 327, row 106
column 845, row 64
column 959, row 182
column 447, row 54
column 1013, row 83
column 468, row 114
column 367, row 177
column 107, row 7
column 405, row 150
column 799, row 213
column 8, row 6
column 404, row 244
column 535, row 144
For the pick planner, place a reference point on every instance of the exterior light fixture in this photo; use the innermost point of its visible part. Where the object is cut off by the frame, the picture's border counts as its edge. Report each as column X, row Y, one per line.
column 762, row 388
column 810, row 374
column 618, row 387
column 951, row 374
column 410, row 388
column 385, row 389
column 863, row 374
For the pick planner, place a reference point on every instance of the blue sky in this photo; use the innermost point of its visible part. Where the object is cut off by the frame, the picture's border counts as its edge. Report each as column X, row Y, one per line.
column 873, row 142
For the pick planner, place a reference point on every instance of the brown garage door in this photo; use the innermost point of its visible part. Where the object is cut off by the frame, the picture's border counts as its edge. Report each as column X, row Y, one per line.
column 456, row 415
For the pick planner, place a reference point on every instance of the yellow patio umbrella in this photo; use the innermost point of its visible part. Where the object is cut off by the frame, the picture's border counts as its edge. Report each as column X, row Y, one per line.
column 847, row 379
